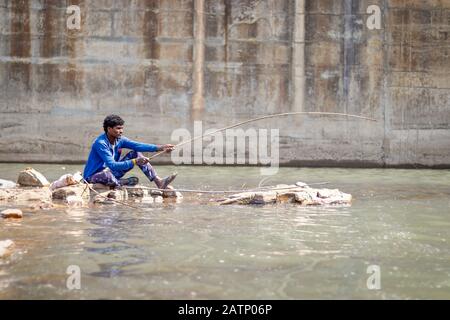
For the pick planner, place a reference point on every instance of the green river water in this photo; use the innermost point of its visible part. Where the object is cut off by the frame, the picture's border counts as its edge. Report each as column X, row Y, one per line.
column 194, row 249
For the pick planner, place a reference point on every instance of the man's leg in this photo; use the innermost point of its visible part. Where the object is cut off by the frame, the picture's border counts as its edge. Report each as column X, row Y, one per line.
column 105, row 177
column 149, row 171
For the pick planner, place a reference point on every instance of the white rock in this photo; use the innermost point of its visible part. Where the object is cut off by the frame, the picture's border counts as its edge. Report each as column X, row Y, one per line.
column 32, row 178
column 67, row 180
column 300, row 193
column 301, row 184
column 306, row 198
column 147, row 199
column 7, row 184
column 12, row 214
column 6, row 248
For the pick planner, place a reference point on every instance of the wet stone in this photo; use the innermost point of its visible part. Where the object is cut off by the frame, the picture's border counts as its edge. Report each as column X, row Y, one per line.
column 32, row 178
column 12, row 214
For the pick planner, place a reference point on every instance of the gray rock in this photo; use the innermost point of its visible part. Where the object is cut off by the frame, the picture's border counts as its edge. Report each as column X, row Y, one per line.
column 156, row 193
column 137, row 191
column 264, row 197
column 108, row 197
column 171, row 194
column 79, row 190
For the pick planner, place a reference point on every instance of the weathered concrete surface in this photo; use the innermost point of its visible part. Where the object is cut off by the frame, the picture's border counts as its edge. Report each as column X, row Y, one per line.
column 227, row 61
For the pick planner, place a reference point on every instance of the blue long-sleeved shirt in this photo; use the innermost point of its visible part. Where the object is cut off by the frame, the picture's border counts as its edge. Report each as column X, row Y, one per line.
column 103, row 155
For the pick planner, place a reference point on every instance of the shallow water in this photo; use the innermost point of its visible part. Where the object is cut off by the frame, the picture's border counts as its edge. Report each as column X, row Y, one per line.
column 194, row 249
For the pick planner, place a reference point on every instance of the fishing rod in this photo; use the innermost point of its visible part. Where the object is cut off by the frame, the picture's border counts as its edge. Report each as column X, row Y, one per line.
column 226, row 191
column 267, row 117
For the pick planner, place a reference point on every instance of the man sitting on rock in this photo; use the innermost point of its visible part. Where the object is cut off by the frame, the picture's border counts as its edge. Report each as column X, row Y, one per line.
column 105, row 165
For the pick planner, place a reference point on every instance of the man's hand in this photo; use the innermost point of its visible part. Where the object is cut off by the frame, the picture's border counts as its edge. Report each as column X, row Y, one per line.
column 141, row 161
column 167, row 147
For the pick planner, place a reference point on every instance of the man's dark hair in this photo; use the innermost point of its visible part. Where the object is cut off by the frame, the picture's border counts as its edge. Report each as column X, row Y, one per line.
column 111, row 121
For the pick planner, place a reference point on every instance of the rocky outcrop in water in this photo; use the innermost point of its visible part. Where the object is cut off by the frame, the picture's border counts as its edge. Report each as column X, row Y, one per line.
column 300, row 194
column 32, row 178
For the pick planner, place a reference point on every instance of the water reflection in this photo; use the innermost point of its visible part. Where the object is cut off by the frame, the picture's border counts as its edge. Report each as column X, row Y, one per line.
column 198, row 250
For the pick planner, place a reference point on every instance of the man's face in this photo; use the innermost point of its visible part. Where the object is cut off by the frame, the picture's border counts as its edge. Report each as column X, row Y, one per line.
column 115, row 132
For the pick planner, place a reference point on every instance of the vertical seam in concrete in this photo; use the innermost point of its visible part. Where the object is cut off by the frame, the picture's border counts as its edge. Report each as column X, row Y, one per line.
column 199, row 55
column 385, row 70
column 348, row 48
column 298, row 56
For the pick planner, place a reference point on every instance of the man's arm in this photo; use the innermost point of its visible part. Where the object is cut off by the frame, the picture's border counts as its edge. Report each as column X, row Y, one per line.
column 138, row 146
column 105, row 153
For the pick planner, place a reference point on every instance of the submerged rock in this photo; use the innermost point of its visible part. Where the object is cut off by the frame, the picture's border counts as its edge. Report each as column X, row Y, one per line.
column 74, row 201
column 43, row 205
column 6, row 248
column 108, row 197
column 171, row 194
column 4, row 195
column 25, row 194
column 147, row 199
column 32, row 178
column 79, row 190
column 12, row 214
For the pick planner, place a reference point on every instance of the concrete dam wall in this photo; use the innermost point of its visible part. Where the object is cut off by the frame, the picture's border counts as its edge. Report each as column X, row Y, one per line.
column 164, row 64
